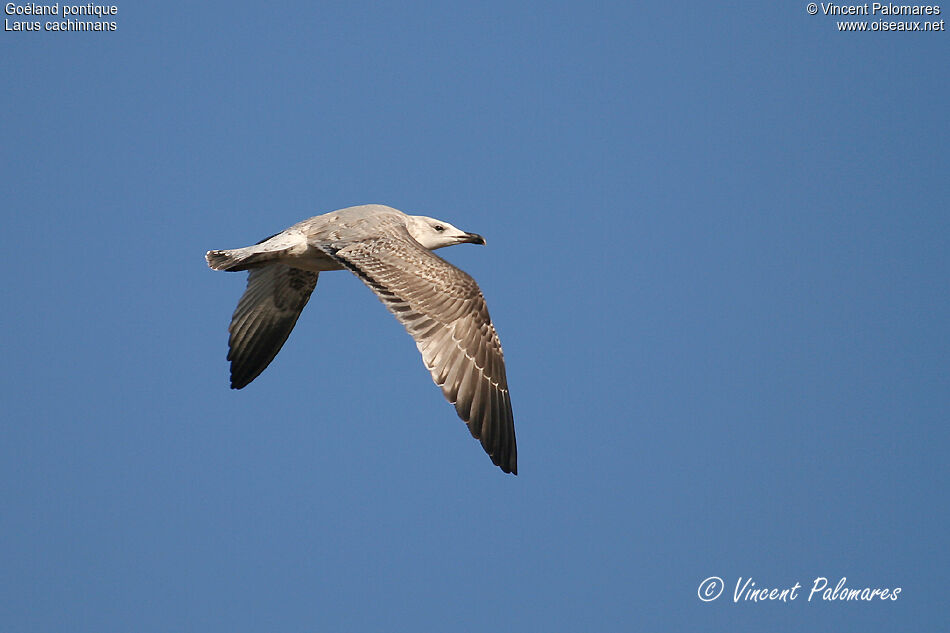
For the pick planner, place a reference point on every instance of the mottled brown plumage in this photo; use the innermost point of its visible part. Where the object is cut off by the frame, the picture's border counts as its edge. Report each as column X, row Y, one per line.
column 440, row 306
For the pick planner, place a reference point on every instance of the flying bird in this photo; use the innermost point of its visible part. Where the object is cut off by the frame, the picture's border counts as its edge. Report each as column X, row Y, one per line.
column 440, row 306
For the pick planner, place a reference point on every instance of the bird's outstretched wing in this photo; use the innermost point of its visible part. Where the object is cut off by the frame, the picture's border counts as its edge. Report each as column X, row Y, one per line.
column 264, row 317
column 444, row 311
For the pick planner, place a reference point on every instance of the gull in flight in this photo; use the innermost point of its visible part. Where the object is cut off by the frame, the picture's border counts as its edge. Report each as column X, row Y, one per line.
column 440, row 306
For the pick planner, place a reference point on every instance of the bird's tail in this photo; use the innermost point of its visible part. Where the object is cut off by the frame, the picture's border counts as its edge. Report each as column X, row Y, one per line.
column 248, row 257
column 236, row 259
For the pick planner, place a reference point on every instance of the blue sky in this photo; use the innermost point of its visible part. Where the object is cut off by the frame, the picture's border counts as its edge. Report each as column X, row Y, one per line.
column 717, row 259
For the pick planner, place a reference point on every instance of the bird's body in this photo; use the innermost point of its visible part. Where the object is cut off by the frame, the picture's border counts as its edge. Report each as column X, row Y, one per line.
column 439, row 305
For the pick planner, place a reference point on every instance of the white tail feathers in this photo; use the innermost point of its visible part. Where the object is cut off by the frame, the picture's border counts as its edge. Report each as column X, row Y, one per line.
column 237, row 259
column 222, row 260
column 240, row 258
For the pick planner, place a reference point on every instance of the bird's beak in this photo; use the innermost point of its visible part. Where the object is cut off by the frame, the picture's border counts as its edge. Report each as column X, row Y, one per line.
column 472, row 238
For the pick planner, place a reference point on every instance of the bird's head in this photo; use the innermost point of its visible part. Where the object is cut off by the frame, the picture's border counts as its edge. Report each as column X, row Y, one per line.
column 434, row 234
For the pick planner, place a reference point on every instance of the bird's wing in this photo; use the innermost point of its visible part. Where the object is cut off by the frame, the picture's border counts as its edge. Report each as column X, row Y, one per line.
column 264, row 317
column 444, row 311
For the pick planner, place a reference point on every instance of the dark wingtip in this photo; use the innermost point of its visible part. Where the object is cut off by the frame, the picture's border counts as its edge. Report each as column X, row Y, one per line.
column 239, row 382
column 509, row 467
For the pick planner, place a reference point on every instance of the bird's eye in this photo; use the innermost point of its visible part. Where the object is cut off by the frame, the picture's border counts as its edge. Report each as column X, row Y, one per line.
column 439, row 228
